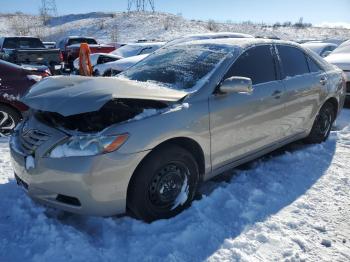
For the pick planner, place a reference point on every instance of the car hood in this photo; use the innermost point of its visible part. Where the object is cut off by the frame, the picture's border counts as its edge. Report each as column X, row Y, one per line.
column 342, row 60
column 77, row 94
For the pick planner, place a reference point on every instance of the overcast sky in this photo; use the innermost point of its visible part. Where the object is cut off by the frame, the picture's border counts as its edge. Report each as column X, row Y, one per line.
column 268, row 11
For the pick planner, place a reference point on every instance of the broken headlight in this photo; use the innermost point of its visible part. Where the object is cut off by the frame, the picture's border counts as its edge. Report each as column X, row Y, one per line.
column 88, row 145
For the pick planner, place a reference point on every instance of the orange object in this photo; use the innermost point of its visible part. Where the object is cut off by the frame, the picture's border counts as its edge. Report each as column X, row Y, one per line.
column 85, row 67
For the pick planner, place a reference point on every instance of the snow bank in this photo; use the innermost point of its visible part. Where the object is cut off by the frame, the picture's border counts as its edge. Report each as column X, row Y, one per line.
column 292, row 205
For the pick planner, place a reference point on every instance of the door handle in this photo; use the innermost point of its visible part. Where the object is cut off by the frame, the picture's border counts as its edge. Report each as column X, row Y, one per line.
column 323, row 80
column 277, row 94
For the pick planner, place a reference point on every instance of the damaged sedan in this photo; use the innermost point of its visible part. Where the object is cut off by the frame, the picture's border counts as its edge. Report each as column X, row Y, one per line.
column 142, row 142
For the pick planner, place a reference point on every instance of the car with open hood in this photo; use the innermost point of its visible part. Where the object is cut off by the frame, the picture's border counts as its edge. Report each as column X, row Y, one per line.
column 142, row 142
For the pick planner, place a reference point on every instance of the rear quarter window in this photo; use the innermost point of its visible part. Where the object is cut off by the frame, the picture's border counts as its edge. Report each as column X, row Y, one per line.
column 313, row 66
column 293, row 61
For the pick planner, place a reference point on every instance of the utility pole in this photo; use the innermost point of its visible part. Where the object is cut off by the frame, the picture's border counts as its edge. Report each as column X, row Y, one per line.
column 140, row 5
column 48, row 9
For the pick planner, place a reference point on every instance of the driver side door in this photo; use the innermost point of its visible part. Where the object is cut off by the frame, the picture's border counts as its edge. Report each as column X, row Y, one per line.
column 242, row 123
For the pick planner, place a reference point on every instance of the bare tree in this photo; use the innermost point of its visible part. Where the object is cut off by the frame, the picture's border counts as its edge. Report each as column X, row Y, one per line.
column 20, row 24
column 167, row 23
column 114, row 34
column 212, row 25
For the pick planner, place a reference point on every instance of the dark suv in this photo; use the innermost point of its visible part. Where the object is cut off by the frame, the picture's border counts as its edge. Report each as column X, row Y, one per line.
column 14, row 82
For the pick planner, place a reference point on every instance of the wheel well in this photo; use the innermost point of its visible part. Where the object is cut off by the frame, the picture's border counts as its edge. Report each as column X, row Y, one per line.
column 191, row 146
column 187, row 143
column 334, row 102
column 13, row 108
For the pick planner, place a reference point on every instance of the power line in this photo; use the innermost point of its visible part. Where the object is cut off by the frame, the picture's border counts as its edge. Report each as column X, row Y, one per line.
column 140, row 5
column 48, row 9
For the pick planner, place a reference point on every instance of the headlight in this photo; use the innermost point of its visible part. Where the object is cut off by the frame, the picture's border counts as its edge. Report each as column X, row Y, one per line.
column 88, row 145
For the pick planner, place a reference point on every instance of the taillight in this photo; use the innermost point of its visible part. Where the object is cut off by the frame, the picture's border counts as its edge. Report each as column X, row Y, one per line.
column 61, row 57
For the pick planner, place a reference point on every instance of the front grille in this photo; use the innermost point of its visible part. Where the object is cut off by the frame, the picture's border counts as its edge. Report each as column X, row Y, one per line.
column 32, row 139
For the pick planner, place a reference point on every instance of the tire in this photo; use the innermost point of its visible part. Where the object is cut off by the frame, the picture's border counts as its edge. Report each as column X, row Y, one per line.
column 9, row 118
column 158, row 188
column 323, row 124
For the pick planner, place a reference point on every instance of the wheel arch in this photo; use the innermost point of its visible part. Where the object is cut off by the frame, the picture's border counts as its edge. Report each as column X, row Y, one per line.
column 2, row 103
column 334, row 102
column 188, row 144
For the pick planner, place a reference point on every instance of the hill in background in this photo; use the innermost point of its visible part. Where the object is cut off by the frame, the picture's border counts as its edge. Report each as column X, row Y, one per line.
column 130, row 27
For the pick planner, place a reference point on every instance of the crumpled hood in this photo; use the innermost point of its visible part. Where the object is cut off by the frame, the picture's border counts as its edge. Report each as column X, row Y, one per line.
column 77, row 94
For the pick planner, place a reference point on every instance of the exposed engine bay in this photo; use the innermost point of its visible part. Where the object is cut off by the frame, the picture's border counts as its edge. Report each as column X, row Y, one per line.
column 113, row 112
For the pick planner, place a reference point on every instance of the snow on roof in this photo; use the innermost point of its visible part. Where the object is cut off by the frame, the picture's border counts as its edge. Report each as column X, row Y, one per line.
column 239, row 42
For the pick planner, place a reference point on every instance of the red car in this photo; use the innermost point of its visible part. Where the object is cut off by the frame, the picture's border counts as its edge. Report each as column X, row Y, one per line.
column 70, row 47
column 14, row 82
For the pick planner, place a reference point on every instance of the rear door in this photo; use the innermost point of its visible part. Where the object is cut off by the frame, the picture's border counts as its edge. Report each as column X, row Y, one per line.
column 305, row 82
column 242, row 123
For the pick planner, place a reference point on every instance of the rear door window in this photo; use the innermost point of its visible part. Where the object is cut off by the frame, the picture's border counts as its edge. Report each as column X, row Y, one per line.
column 256, row 63
column 313, row 66
column 293, row 61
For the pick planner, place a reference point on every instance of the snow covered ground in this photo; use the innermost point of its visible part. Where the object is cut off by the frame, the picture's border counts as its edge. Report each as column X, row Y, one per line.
column 292, row 205
column 130, row 27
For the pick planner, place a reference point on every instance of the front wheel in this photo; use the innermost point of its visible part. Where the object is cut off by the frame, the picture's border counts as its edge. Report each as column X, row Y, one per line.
column 322, row 125
column 164, row 184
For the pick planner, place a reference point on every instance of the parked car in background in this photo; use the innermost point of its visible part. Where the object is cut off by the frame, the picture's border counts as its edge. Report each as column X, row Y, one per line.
column 99, row 59
column 114, row 68
column 70, row 47
column 101, row 62
column 341, row 58
column 144, row 140
column 14, row 82
column 29, row 50
column 321, row 48
column 50, row 45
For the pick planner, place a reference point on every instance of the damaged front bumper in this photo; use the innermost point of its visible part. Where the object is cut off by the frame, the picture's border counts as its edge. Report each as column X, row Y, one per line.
column 90, row 185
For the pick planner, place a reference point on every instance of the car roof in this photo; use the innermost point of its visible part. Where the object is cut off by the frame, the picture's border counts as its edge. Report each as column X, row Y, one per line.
column 147, row 44
column 318, row 44
column 239, row 42
column 219, row 35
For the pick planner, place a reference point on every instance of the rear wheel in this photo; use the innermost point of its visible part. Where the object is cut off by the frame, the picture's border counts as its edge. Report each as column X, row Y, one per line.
column 164, row 184
column 322, row 125
column 9, row 118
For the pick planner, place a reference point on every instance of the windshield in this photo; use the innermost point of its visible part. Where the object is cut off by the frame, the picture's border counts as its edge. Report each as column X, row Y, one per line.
column 25, row 42
column 74, row 41
column 178, row 67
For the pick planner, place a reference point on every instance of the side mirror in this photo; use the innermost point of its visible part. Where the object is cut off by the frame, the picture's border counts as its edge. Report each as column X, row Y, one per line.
column 237, row 84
